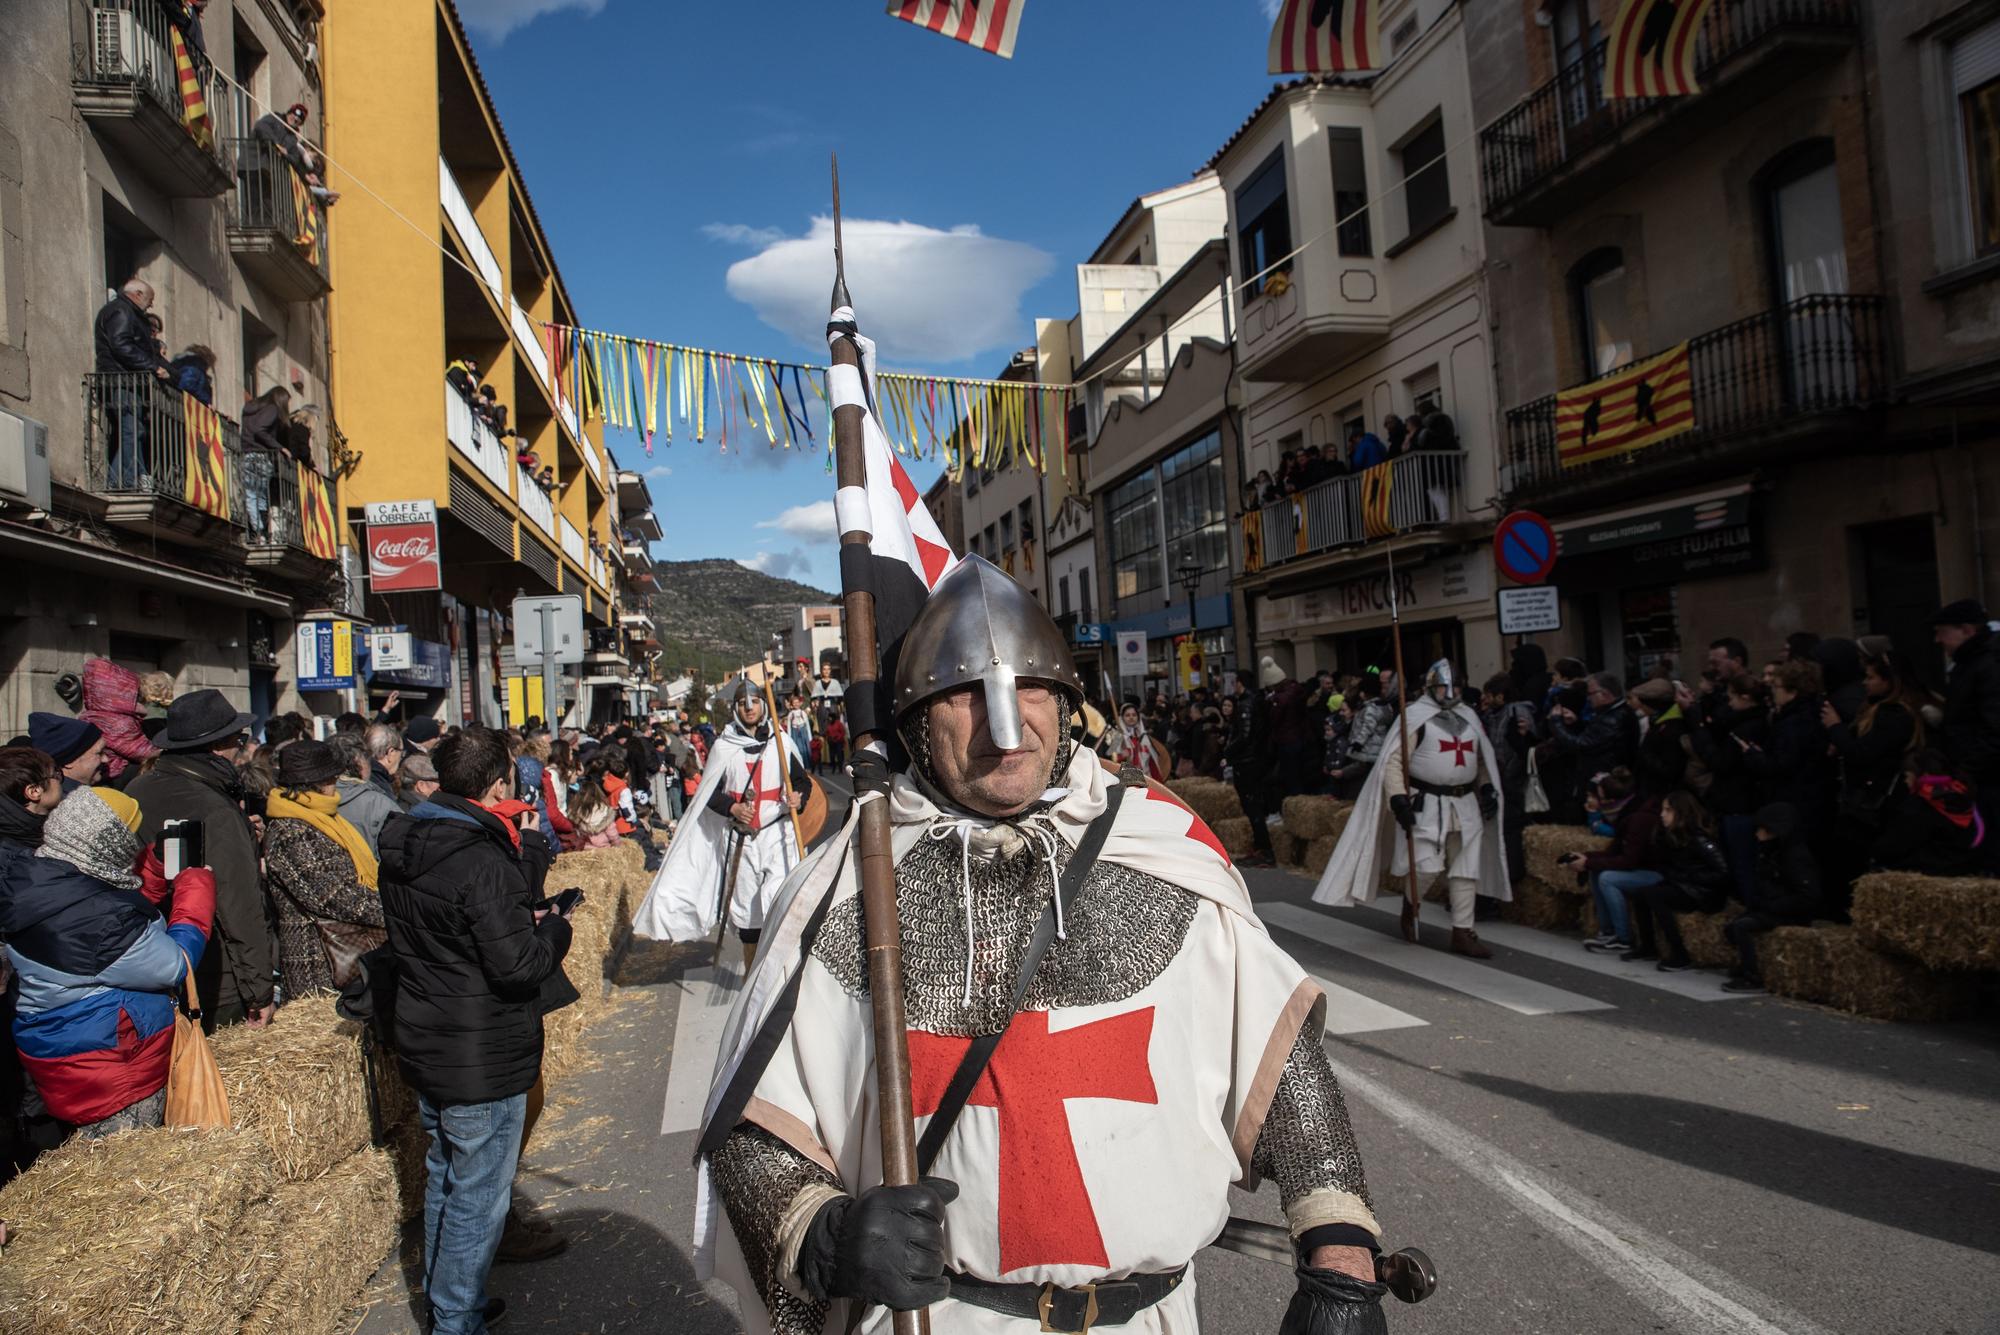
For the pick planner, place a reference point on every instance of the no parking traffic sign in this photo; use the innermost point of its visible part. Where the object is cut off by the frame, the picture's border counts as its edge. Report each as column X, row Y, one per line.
column 1524, row 547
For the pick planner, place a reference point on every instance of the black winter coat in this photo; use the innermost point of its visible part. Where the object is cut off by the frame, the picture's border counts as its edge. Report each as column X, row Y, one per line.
column 1661, row 765
column 1917, row 836
column 473, row 964
column 1792, row 766
column 1694, row 865
column 1608, row 739
column 1971, row 731
column 1731, row 792
column 1871, row 763
column 1787, row 879
column 19, row 827
column 124, row 340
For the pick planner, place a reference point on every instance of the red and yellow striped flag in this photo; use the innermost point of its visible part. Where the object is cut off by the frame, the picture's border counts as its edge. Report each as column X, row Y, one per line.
column 205, row 484
column 315, row 513
column 1651, row 47
column 1378, row 484
column 989, row 25
column 194, row 106
column 1327, row 37
column 303, row 203
column 1253, row 541
column 1627, row 410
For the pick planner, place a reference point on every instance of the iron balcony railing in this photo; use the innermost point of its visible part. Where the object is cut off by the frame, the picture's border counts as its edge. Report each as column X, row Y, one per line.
column 1813, row 356
column 1569, row 115
column 271, row 196
column 143, row 437
column 1424, row 489
column 131, row 43
column 280, row 504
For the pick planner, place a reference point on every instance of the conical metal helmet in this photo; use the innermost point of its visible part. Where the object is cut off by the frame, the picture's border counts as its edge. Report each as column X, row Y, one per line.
column 980, row 626
column 1439, row 677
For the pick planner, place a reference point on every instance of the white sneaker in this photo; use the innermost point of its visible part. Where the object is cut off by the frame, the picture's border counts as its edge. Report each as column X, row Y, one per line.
column 1598, row 942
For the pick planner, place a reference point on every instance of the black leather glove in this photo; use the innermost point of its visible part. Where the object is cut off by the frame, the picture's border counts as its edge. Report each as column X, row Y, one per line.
column 884, row 1246
column 1329, row 1302
column 1489, row 801
column 1404, row 810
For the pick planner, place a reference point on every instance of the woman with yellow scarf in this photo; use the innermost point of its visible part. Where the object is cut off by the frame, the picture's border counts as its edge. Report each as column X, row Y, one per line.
column 320, row 872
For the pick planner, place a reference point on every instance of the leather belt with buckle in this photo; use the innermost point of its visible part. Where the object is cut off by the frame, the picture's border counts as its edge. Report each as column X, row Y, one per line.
column 1071, row 1311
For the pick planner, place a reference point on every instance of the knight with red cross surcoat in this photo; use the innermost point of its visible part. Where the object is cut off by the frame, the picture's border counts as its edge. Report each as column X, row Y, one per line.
column 1444, row 806
column 1163, row 1049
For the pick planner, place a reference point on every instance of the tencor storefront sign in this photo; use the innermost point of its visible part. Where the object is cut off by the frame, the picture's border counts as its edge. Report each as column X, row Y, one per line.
column 403, row 547
column 1365, row 599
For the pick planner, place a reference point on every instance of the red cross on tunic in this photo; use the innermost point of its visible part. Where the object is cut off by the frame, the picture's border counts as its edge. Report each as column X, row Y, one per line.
column 1045, row 1212
column 756, row 796
column 1459, row 749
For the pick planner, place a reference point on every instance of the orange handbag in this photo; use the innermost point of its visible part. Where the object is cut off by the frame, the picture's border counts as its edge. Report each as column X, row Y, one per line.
column 195, row 1096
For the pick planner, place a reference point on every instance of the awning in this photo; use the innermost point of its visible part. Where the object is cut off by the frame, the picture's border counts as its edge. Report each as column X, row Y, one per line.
column 148, row 572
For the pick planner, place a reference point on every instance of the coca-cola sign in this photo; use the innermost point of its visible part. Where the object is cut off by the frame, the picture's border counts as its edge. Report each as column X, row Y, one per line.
column 403, row 547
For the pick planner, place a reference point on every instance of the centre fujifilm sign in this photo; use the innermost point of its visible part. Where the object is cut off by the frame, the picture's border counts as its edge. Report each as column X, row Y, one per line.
column 403, row 547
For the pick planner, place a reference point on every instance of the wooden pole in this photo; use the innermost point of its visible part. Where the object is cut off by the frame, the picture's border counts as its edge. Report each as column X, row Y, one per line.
column 1412, row 904
column 784, row 769
column 883, row 932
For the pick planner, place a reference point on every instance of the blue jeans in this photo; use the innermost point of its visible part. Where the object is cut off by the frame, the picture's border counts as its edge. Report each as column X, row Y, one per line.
column 1607, row 891
column 469, row 1179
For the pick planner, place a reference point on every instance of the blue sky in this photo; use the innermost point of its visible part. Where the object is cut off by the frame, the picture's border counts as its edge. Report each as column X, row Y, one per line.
column 667, row 141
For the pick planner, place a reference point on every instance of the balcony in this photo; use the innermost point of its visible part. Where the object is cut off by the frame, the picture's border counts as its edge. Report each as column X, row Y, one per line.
column 534, row 502
column 600, row 573
column 459, row 213
column 1799, row 380
column 475, row 440
column 288, row 526
column 1426, row 490
column 1566, row 141
column 1318, row 314
column 277, row 230
column 573, row 545
column 126, row 82
column 164, row 465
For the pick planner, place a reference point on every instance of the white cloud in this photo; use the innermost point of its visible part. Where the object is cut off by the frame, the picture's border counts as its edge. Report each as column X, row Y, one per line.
column 923, row 294
column 810, row 523
column 742, row 234
column 494, row 19
column 1270, row 8
column 783, row 565
column 660, row 470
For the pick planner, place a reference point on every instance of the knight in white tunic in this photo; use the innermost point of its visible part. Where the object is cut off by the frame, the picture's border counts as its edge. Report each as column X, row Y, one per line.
column 1164, row 1049
column 1444, row 806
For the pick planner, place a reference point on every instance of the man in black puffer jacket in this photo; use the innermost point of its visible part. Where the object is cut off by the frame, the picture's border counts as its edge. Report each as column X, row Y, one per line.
column 461, row 878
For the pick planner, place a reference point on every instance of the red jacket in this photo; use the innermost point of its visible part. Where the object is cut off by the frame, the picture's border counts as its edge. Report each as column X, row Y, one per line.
column 111, row 701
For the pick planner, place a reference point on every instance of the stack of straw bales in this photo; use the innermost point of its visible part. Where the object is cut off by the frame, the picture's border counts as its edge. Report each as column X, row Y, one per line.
column 1235, row 836
column 1543, row 844
column 1210, row 799
column 1951, row 924
column 1834, row 966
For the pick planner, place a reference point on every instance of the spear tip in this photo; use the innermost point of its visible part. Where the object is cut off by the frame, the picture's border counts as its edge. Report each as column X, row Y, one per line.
column 840, row 297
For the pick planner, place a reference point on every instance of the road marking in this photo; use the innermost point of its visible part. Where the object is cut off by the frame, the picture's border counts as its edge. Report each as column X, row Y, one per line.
column 1694, row 985
column 1524, row 996
column 1351, row 1012
column 706, row 996
column 1681, row 1289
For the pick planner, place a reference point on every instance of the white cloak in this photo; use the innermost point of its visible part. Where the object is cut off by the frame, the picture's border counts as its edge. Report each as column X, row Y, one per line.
column 685, row 899
column 1371, row 848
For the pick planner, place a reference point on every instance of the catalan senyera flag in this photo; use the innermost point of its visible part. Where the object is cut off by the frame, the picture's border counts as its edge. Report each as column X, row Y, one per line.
column 989, row 25
column 1377, row 486
column 315, row 513
column 194, row 105
column 205, row 484
column 1650, row 49
column 1253, row 541
column 307, row 239
column 1327, row 37
column 1627, row 410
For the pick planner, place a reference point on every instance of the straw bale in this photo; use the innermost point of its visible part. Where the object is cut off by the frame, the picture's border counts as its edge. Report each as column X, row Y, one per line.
column 1286, row 848
column 300, row 1083
column 1210, row 799
column 1543, row 844
column 1312, row 817
column 1318, row 852
column 1947, row 923
column 1833, row 966
column 1235, row 836
column 1706, row 945
column 1538, row 904
column 345, row 1222
column 129, row 1235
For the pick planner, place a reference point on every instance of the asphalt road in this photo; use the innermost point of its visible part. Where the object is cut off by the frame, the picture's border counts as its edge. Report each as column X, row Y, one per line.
column 1579, row 1150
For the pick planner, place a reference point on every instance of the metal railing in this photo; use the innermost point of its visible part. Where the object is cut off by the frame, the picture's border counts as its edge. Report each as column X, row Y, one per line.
column 573, row 545
column 534, row 502
column 1815, row 355
column 130, row 43
column 1425, row 489
column 1569, row 115
column 143, row 437
column 284, row 514
column 474, row 439
column 467, row 226
column 271, row 196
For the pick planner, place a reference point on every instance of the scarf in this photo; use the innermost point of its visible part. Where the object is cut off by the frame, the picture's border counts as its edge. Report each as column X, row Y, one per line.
column 1952, row 800
column 508, row 811
column 86, row 833
column 322, row 812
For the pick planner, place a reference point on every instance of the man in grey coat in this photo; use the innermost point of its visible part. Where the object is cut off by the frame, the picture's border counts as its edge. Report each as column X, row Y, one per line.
column 364, row 803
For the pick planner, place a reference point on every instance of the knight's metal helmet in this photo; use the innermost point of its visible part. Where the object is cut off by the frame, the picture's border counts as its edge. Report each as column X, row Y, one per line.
column 981, row 627
column 1439, row 678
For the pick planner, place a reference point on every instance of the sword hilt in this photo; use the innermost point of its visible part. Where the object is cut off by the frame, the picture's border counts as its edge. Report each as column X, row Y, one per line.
column 1409, row 1274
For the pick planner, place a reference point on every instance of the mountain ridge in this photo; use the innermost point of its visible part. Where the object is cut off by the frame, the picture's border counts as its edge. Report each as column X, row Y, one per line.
column 714, row 612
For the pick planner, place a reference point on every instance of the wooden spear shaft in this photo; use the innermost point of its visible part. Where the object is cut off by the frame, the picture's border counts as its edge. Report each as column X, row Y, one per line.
column 1403, row 729
column 784, row 763
column 883, row 931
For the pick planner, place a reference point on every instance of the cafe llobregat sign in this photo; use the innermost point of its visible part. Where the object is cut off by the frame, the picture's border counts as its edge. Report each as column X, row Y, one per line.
column 403, row 547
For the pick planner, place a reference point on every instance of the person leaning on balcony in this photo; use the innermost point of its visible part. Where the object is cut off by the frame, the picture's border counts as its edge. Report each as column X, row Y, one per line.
column 282, row 133
column 1364, row 449
column 1397, row 436
column 463, row 376
column 194, row 373
column 125, row 347
column 265, row 436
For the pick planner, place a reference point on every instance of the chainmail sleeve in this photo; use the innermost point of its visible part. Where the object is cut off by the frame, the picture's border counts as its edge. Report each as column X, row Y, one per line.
column 760, row 1178
column 1307, row 1145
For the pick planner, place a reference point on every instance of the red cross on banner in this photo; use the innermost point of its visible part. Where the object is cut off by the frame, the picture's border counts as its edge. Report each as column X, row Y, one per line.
column 1459, row 749
column 1045, row 1213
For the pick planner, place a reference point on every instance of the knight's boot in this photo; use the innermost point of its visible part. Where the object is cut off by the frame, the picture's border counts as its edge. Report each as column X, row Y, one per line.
column 1465, row 941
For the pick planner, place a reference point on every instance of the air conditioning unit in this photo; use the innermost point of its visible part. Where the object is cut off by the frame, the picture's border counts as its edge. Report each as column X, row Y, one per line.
column 114, row 47
column 24, row 460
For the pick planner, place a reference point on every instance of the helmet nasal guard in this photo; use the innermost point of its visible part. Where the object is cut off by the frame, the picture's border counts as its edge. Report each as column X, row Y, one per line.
column 980, row 627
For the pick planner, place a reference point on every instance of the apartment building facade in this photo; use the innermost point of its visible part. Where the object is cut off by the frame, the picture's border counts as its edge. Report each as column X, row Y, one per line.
column 472, row 283
column 1815, row 234
column 202, row 552
column 1357, row 268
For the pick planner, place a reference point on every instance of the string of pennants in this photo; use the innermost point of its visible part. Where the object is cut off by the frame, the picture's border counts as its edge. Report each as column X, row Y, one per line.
column 655, row 388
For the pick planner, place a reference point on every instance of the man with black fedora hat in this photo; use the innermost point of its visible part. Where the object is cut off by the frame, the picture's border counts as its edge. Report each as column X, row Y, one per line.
column 195, row 778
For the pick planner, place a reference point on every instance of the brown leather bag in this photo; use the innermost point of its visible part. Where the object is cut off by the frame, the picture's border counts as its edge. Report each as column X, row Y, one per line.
column 344, row 944
column 195, row 1096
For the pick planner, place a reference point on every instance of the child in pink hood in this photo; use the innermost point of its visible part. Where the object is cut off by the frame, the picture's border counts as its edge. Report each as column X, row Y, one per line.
column 114, row 700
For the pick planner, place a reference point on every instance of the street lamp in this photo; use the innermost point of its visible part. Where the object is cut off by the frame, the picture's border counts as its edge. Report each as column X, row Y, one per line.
column 1188, row 575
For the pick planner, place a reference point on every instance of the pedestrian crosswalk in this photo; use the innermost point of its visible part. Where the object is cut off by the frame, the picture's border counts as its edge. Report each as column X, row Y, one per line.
column 705, row 998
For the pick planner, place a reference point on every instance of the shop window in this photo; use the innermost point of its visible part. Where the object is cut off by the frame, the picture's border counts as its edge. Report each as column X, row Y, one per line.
column 1975, row 84
column 1195, row 508
column 1426, row 183
column 1603, row 312
column 1133, row 511
column 1264, row 225
column 1350, row 192
column 1083, row 587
